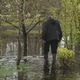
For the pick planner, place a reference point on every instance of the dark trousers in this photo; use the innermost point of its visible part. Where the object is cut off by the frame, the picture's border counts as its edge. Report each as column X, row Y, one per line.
column 54, row 46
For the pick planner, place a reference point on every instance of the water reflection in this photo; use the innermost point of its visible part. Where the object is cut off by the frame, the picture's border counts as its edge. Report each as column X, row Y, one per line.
column 22, row 75
column 49, row 74
column 35, row 70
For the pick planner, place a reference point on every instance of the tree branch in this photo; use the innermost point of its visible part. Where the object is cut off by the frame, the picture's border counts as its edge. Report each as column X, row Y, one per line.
column 33, row 26
column 11, row 24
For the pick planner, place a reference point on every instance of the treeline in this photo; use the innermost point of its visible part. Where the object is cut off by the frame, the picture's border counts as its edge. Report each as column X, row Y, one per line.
column 25, row 14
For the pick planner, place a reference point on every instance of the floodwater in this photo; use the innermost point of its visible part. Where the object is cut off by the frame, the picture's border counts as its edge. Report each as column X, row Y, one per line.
column 39, row 70
column 34, row 69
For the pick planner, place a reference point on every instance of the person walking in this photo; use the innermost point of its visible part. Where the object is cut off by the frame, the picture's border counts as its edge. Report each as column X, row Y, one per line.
column 51, row 36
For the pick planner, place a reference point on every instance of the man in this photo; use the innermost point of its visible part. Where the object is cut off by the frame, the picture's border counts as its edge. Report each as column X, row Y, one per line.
column 51, row 35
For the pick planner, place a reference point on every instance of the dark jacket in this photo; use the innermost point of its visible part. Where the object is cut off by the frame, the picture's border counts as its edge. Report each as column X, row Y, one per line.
column 51, row 30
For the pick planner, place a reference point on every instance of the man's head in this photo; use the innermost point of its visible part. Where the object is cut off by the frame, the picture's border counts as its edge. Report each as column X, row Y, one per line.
column 50, row 17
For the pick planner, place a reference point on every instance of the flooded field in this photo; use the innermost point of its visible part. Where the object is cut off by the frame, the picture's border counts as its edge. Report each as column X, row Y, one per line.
column 34, row 69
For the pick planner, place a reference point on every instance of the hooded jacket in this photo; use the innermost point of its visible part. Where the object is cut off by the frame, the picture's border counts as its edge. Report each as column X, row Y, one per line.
column 51, row 30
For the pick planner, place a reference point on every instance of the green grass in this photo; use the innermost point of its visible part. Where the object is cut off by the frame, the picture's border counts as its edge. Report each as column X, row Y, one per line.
column 9, row 32
column 10, row 69
column 7, row 70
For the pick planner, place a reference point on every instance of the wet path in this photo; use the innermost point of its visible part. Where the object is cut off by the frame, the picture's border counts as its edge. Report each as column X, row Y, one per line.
column 35, row 70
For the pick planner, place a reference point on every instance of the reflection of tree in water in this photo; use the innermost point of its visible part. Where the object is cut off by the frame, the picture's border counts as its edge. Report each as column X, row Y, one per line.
column 3, row 43
column 22, row 76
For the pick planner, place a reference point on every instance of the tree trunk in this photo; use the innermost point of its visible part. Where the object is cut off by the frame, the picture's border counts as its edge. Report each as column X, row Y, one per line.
column 71, row 37
column 77, row 51
column 0, row 13
column 22, row 27
column 24, row 42
column 19, row 52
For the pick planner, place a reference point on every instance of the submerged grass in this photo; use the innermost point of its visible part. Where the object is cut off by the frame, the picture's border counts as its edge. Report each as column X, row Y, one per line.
column 7, row 70
column 11, row 69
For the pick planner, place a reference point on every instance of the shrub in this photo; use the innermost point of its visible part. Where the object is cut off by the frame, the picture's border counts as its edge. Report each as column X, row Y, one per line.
column 65, row 57
column 65, row 53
